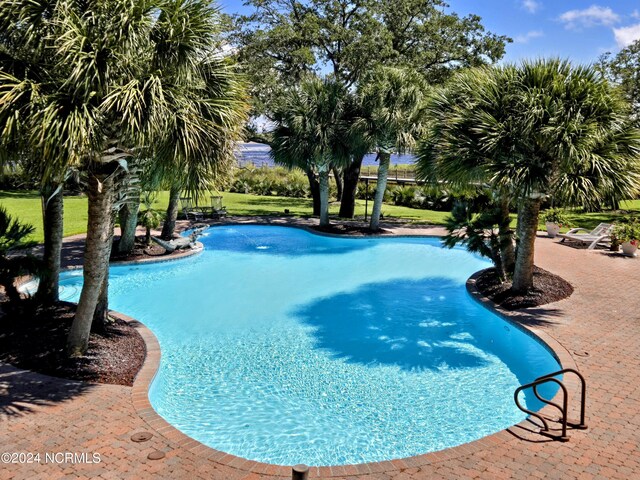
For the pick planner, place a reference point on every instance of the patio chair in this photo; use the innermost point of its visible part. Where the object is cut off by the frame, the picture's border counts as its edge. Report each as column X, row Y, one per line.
column 598, row 235
column 189, row 211
column 217, row 209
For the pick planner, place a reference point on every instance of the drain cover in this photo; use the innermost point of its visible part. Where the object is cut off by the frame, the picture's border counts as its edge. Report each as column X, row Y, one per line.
column 156, row 455
column 141, row 437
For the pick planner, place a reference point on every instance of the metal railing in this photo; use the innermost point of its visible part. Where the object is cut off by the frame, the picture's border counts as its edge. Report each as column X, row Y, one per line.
column 563, row 408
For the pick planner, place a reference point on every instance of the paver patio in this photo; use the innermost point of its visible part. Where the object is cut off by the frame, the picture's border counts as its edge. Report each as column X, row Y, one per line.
column 599, row 326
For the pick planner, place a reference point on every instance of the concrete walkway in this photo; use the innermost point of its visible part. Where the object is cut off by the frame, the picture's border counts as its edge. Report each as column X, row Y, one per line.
column 599, row 326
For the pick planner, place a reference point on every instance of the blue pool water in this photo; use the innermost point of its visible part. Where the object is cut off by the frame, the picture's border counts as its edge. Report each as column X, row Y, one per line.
column 286, row 347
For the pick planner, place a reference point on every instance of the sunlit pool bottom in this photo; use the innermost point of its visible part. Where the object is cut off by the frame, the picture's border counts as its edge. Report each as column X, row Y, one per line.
column 285, row 347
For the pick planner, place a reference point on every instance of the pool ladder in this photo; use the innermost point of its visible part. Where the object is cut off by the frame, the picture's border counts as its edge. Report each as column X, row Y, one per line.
column 550, row 378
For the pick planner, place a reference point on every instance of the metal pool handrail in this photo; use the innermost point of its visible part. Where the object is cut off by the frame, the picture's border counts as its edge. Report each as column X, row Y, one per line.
column 550, row 378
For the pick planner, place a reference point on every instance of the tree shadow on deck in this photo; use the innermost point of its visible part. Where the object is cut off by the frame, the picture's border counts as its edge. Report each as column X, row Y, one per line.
column 21, row 391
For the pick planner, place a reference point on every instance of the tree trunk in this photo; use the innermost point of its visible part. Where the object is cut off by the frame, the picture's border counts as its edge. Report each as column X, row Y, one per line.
column 53, row 222
column 96, row 260
column 324, row 196
column 351, row 175
column 101, row 315
column 523, row 272
column 314, row 187
column 338, row 178
column 507, row 249
column 128, row 224
column 169, row 225
column 383, row 169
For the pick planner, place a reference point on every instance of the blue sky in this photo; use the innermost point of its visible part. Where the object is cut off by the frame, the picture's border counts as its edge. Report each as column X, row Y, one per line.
column 578, row 30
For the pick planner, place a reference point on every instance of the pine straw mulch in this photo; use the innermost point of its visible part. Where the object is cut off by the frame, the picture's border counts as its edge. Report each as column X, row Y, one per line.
column 36, row 341
column 547, row 288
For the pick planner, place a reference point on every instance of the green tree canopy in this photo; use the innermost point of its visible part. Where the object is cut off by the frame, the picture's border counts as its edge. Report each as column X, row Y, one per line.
column 285, row 39
column 623, row 69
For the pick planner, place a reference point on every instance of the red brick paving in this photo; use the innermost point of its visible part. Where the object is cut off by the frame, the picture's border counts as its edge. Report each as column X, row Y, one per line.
column 41, row 414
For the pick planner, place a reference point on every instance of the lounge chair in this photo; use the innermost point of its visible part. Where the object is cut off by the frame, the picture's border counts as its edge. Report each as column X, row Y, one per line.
column 189, row 211
column 598, row 235
column 175, row 244
column 217, row 210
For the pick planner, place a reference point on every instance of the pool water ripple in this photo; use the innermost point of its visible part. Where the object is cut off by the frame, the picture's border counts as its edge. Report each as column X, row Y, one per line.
column 286, row 347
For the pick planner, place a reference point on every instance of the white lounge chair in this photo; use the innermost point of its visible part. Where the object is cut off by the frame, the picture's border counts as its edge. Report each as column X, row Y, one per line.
column 598, row 235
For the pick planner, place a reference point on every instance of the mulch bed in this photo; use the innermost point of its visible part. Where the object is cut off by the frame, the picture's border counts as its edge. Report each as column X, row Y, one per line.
column 37, row 342
column 547, row 288
column 140, row 251
column 342, row 229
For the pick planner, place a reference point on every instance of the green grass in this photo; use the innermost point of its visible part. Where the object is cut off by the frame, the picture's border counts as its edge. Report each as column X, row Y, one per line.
column 26, row 207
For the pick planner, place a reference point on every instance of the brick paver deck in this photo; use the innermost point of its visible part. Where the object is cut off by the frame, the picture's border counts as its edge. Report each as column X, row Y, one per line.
column 599, row 326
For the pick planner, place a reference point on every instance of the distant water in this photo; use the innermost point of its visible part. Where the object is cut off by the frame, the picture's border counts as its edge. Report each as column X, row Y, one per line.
column 258, row 155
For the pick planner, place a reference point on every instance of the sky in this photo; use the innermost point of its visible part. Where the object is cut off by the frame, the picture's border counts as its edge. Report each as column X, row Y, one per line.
column 578, row 30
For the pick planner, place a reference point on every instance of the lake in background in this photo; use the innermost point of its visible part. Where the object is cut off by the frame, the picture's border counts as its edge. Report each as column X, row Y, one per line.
column 258, row 155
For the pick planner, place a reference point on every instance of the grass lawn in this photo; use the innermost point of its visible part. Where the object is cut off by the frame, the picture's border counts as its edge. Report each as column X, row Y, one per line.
column 26, row 206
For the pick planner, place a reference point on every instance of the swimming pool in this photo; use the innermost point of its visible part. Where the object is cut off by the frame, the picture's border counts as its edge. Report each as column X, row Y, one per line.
column 286, row 347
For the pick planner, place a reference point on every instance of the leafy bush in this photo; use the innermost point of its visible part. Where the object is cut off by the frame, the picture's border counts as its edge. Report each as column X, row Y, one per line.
column 555, row 215
column 270, row 181
column 627, row 231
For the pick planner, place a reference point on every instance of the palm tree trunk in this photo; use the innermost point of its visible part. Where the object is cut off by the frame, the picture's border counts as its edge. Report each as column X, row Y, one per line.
column 523, row 272
column 53, row 222
column 128, row 224
column 338, row 178
column 507, row 249
column 101, row 315
column 96, row 260
column 169, row 225
column 324, row 196
column 351, row 175
column 383, row 169
column 314, row 187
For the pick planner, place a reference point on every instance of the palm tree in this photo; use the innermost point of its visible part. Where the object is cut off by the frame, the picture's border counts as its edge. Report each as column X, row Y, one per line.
column 117, row 77
column 392, row 119
column 311, row 132
column 542, row 128
column 453, row 151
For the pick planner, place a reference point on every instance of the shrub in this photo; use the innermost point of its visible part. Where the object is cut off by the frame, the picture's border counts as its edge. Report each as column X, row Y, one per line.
column 270, row 181
column 555, row 215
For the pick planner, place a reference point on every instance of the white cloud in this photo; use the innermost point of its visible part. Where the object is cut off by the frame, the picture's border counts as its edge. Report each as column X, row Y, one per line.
column 625, row 36
column 589, row 17
column 636, row 14
column 528, row 36
column 531, row 5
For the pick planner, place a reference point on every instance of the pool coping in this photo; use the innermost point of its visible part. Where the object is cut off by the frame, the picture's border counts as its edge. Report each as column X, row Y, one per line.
column 144, row 379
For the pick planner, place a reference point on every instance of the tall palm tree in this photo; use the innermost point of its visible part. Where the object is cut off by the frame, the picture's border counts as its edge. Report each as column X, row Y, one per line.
column 452, row 149
column 118, row 76
column 311, row 132
column 541, row 128
column 392, row 119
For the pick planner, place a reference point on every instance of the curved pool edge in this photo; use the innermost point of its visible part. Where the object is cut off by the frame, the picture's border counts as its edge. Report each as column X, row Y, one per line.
column 142, row 405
